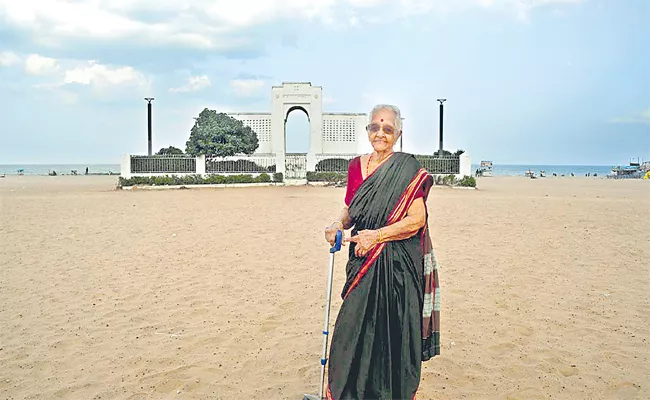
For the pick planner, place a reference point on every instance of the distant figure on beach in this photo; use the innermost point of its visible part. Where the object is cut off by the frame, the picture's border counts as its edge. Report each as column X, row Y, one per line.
column 389, row 322
column 86, row 170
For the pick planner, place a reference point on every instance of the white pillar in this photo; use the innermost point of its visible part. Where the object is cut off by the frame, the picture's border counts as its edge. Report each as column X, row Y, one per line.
column 465, row 165
column 315, row 110
column 200, row 165
column 125, row 166
column 311, row 162
column 279, row 162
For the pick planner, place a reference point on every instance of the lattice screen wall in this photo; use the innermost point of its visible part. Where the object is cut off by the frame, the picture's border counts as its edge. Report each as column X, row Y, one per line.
column 339, row 130
column 261, row 126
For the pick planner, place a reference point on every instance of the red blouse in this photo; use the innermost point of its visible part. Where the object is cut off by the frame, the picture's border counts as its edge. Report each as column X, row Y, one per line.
column 355, row 179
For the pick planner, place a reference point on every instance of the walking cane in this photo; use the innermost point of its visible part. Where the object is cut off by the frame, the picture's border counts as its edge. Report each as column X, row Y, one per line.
column 323, row 360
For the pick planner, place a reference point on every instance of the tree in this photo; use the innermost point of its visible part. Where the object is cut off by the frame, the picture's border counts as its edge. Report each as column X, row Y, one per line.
column 169, row 150
column 221, row 135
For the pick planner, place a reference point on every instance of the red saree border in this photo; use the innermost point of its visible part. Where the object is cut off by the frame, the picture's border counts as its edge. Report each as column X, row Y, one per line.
column 398, row 213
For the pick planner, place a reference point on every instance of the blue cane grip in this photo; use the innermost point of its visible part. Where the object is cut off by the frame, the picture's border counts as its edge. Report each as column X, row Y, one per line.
column 337, row 244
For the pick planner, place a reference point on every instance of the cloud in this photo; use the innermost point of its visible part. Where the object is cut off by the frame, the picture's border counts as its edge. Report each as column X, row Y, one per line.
column 38, row 65
column 8, row 59
column 246, row 87
column 73, row 79
column 642, row 117
column 522, row 9
column 208, row 24
column 102, row 76
column 203, row 24
column 194, row 84
column 64, row 72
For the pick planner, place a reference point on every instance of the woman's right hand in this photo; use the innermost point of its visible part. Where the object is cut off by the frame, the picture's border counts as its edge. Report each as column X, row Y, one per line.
column 330, row 232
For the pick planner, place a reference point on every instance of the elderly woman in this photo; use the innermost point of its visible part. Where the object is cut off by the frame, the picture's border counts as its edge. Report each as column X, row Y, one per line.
column 388, row 323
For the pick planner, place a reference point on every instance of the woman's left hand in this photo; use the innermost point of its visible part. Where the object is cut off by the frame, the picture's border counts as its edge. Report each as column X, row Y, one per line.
column 365, row 240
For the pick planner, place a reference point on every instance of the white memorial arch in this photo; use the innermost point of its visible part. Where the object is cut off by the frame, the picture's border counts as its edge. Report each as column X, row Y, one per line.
column 331, row 135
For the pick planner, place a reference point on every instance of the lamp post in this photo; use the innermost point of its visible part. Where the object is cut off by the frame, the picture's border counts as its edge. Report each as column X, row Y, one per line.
column 441, row 111
column 401, row 136
column 149, row 100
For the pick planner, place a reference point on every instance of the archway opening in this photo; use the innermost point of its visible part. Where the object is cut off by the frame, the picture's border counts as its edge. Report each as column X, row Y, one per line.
column 296, row 130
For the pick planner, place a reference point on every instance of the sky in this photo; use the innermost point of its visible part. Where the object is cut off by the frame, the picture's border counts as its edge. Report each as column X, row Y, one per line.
column 526, row 81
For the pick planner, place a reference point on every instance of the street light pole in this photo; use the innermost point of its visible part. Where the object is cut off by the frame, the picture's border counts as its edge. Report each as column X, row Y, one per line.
column 401, row 136
column 149, row 100
column 441, row 114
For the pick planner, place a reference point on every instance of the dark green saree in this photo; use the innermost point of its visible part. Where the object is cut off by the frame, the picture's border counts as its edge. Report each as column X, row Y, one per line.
column 388, row 323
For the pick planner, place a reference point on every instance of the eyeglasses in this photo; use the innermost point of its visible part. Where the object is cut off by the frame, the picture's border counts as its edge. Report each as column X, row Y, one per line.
column 374, row 128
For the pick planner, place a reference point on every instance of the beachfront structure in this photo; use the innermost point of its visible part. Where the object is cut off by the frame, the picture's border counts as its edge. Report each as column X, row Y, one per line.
column 334, row 139
column 329, row 133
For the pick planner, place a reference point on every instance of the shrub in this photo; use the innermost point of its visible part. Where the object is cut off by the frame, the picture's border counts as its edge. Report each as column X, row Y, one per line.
column 467, row 181
column 333, row 165
column 338, row 177
column 278, row 177
column 449, row 180
column 212, row 179
column 264, row 178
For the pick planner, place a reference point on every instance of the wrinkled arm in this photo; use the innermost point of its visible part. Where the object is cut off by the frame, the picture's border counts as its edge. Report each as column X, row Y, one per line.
column 407, row 227
column 344, row 218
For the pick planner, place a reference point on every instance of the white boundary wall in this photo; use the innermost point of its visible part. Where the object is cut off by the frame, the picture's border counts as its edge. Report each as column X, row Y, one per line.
column 125, row 165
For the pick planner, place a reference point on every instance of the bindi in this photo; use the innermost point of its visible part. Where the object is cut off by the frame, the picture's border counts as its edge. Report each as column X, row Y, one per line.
column 381, row 120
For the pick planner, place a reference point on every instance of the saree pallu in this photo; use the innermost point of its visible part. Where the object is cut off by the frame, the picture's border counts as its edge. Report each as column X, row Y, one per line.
column 388, row 323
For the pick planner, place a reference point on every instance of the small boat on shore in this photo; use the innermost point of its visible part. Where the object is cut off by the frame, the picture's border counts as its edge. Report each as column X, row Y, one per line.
column 634, row 169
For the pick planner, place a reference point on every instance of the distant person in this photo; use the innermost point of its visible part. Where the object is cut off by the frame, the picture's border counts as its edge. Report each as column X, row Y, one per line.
column 388, row 323
column 86, row 170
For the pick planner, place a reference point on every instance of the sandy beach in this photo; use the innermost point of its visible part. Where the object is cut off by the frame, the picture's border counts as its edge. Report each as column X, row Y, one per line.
column 219, row 293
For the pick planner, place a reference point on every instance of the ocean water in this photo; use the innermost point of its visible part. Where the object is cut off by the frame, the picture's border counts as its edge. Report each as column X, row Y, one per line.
column 61, row 169
column 520, row 170
column 497, row 169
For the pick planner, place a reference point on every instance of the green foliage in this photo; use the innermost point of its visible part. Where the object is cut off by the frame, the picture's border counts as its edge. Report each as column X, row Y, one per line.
column 467, row 181
column 169, row 150
column 333, row 165
column 264, row 178
column 437, row 153
column 449, row 180
column 212, row 179
column 278, row 176
column 446, row 153
column 338, row 177
column 220, row 135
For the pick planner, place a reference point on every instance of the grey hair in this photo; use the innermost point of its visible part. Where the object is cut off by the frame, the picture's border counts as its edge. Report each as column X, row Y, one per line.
column 394, row 109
